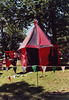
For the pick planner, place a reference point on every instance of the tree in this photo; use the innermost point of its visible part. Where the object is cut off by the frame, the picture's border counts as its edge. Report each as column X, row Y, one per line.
column 11, row 23
column 52, row 16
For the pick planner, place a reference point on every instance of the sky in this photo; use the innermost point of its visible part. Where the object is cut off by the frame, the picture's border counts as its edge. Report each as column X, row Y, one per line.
column 29, row 29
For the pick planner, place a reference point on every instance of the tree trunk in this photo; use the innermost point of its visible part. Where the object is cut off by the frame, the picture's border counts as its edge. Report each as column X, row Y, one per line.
column 53, row 23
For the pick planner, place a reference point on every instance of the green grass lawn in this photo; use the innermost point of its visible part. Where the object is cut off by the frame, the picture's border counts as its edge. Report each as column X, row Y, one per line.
column 52, row 86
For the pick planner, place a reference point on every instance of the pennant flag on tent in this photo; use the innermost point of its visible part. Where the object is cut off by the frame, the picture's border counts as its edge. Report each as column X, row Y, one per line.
column 24, row 68
column 44, row 68
column 15, row 68
column 54, row 69
column 34, row 68
column 63, row 68
column 6, row 69
column 9, row 78
column 35, row 22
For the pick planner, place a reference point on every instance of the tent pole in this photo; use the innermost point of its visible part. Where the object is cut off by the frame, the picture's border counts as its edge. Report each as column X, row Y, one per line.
column 37, row 76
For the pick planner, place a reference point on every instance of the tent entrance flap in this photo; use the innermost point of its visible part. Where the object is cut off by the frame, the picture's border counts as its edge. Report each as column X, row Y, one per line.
column 44, row 55
column 32, row 56
column 54, row 57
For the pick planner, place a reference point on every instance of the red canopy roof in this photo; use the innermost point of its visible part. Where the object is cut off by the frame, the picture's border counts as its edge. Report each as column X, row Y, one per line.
column 36, row 39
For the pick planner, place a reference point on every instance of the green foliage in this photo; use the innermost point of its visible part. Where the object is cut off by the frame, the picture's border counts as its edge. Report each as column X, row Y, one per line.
column 52, row 16
column 12, row 22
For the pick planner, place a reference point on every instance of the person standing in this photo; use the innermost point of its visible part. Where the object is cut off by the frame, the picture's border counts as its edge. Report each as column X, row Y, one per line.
column 23, row 61
column 15, row 61
column 8, row 63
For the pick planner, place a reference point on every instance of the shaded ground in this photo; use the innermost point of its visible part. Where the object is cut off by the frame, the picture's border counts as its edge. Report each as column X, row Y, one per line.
column 24, row 91
column 25, row 88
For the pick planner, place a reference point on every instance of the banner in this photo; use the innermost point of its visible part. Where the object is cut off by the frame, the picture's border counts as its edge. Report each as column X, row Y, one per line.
column 44, row 68
column 6, row 69
column 15, row 68
column 54, row 69
column 63, row 68
column 34, row 68
column 8, row 62
column 9, row 54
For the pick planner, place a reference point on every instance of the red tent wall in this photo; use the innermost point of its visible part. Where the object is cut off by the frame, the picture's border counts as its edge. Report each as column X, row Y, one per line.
column 44, row 56
column 56, row 47
column 58, row 57
column 54, row 59
column 34, row 56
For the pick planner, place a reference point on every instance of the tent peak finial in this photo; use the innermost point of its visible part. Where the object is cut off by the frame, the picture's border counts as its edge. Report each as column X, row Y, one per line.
column 35, row 22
